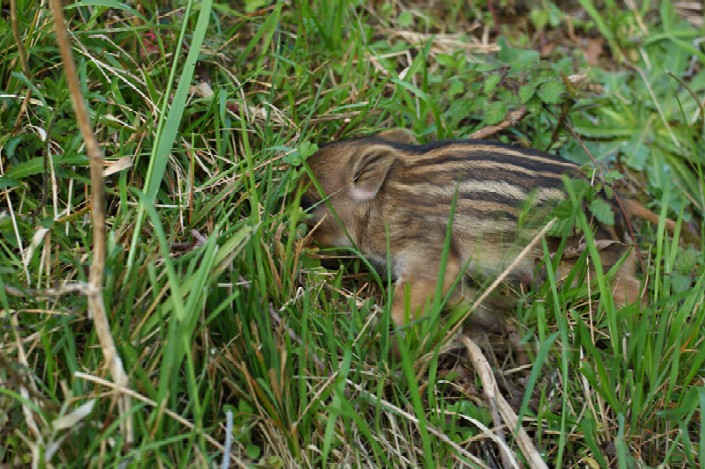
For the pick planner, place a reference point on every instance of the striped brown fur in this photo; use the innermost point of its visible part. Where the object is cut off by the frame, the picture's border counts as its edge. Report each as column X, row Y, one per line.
column 387, row 191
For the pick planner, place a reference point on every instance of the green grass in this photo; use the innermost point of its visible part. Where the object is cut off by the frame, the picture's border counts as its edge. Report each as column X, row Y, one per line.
column 216, row 305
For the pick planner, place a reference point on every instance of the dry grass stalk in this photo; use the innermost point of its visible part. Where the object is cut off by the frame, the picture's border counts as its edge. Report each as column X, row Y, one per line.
column 499, row 279
column 512, row 120
column 95, row 282
column 489, row 384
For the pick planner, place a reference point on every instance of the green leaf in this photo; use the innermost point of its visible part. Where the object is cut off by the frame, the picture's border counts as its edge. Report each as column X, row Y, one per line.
column 491, row 83
column 495, row 112
column 550, row 92
column 680, row 282
column 307, row 149
column 534, row 105
column 171, row 113
column 539, row 18
column 7, row 182
column 526, row 92
column 253, row 451
column 602, row 210
column 687, row 260
column 520, row 60
column 456, row 88
column 405, row 19
column 446, row 60
column 252, row 5
column 303, row 151
column 459, row 109
column 28, row 168
column 112, row 4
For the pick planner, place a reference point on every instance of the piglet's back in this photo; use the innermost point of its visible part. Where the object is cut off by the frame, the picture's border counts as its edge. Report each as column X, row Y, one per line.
column 491, row 186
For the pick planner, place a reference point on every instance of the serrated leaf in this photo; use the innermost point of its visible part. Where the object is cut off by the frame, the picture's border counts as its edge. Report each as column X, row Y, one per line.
column 303, row 151
column 686, row 261
column 495, row 113
column 579, row 186
column 614, row 175
column 602, row 210
column 456, row 88
column 680, row 282
column 478, row 104
column 491, row 83
column 459, row 109
column 561, row 227
column 307, row 149
column 520, row 59
column 526, row 92
column 550, row 92
column 534, row 105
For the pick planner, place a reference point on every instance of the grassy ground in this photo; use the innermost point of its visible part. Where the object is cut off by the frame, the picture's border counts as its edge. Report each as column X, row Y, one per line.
column 231, row 332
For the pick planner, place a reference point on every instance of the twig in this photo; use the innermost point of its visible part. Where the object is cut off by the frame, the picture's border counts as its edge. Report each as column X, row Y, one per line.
column 485, row 372
column 18, row 38
column 340, row 130
column 76, row 287
column 95, row 281
column 500, row 279
column 24, row 64
column 512, row 120
column 492, row 392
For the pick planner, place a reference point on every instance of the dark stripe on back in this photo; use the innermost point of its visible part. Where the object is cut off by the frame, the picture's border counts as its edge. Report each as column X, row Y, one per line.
column 547, row 165
column 427, row 147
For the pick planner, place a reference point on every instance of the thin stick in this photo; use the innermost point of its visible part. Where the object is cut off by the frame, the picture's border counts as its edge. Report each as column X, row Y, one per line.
column 14, row 24
column 492, row 392
column 499, row 279
column 95, row 281
column 68, row 289
column 511, row 121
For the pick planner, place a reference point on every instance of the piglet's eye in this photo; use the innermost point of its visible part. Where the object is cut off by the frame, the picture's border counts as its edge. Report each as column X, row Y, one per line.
column 307, row 203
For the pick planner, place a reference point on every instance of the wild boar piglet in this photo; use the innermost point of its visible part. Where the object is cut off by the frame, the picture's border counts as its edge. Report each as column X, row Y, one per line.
column 393, row 200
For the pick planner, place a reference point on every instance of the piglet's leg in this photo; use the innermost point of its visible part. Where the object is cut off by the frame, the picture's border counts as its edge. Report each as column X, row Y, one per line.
column 626, row 286
column 416, row 286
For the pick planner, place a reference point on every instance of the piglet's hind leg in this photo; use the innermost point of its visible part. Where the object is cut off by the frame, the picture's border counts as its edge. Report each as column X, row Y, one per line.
column 415, row 288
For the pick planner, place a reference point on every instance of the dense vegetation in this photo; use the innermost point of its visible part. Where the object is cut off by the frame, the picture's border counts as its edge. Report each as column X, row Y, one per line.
column 231, row 330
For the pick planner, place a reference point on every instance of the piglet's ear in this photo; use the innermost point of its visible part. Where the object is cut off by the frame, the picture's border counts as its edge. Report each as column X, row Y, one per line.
column 369, row 171
column 398, row 135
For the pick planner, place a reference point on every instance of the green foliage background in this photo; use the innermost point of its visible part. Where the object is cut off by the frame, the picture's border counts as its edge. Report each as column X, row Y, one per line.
column 206, row 112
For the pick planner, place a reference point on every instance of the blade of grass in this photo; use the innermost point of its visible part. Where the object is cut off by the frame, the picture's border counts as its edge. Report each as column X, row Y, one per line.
column 170, row 118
